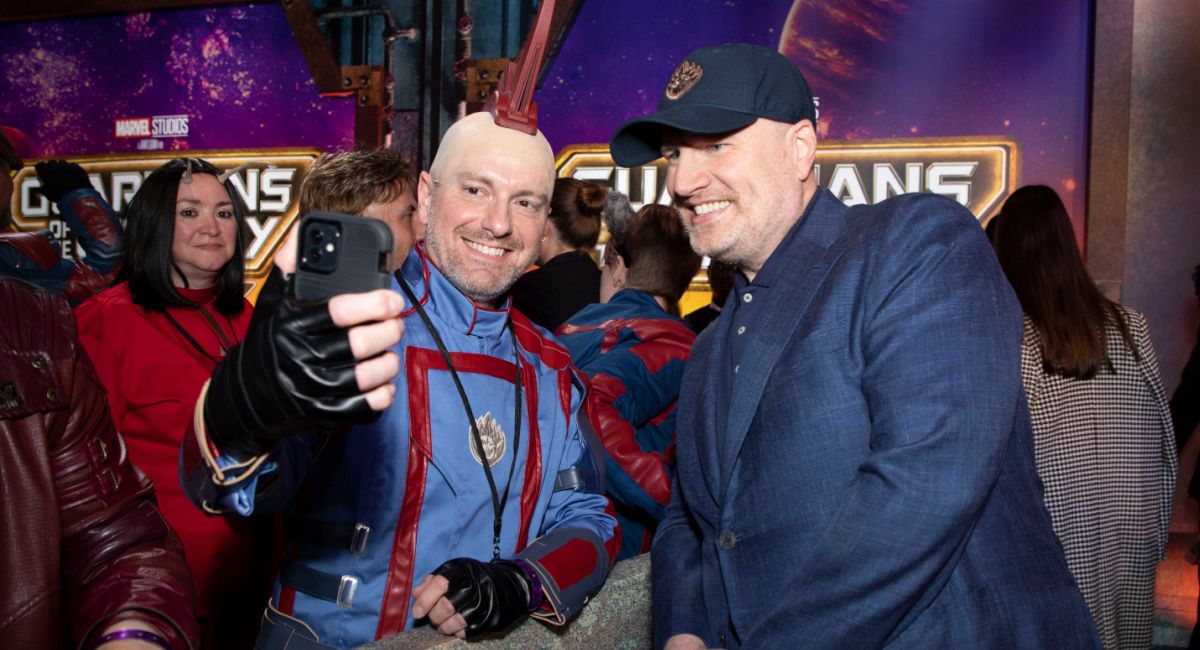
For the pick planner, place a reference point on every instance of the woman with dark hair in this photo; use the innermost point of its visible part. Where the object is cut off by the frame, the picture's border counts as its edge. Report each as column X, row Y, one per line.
column 568, row 278
column 1102, row 430
column 155, row 338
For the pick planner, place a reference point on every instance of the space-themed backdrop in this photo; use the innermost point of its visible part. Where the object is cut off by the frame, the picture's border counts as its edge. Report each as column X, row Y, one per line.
column 903, row 71
column 902, row 83
column 80, row 86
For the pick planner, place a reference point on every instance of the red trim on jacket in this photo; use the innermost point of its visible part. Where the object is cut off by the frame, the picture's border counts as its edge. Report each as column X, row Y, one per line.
column 532, row 487
column 570, row 563
column 393, row 613
column 34, row 246
column 418, row 362
column 645, row 467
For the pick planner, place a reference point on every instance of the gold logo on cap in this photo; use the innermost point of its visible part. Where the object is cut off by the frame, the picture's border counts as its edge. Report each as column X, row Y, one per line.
column 683, row 79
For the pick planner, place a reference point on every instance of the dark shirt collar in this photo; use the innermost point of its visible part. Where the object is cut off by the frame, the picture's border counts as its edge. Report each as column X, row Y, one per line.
column 775, row 269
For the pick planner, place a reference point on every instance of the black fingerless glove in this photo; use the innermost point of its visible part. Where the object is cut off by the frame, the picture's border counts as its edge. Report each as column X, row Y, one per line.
column 60, row 178
column 294, row 372
column 491, row 596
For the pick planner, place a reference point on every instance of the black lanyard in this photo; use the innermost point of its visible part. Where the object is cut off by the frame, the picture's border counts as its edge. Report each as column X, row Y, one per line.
column 498, row 501
column 222, row 341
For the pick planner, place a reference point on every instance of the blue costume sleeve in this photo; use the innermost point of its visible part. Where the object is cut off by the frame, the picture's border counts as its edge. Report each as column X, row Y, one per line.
column 632, row 385
column 96, row 226
column 219, row 483
column 578, row 538
column 37, row 257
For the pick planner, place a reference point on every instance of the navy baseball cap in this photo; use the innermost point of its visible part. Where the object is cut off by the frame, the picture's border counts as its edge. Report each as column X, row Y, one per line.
column 718, row 89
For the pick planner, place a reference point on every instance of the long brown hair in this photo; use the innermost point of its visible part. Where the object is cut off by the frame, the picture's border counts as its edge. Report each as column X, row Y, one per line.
column 1036, row 247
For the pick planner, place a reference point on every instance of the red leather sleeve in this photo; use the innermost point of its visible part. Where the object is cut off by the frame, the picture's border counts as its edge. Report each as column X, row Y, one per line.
column 120, row 557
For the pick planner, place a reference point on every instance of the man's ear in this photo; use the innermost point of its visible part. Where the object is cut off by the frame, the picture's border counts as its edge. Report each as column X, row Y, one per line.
column 802, row 147
column 619, row 272
column 424, row 196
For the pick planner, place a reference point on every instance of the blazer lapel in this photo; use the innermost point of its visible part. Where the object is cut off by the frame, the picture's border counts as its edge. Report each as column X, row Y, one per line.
column 812, row 253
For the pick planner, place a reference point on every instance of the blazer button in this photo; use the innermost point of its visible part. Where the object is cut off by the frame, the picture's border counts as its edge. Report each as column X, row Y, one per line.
column 728, row 540
column 721, row 638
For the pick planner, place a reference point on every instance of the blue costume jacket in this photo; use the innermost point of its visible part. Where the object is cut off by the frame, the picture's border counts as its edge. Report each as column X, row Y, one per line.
column 634, row 353
column 382, row 505
column 37, row 256
column 872, row 483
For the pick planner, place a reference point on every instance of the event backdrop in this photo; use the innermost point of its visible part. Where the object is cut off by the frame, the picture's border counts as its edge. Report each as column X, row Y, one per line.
column 219, row 78
column 888, row 72
column 968, row 98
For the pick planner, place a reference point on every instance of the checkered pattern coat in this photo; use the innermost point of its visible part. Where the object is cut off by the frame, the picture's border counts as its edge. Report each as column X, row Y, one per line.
column 1106, row 453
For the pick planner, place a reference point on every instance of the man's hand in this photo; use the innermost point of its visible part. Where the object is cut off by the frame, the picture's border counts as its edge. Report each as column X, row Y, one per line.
column 60, row 178
column 685, row 642
column 304, row 365
column 465, row 597
column 429, row 600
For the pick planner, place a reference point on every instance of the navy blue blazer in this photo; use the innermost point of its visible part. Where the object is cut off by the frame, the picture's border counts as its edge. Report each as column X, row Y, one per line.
column 874, row 484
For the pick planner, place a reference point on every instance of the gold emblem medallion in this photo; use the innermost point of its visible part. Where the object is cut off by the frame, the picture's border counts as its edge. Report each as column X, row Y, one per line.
column 493, row 438
column 683, row 79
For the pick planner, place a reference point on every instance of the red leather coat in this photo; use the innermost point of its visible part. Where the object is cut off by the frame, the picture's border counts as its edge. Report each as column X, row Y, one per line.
column 82, row 542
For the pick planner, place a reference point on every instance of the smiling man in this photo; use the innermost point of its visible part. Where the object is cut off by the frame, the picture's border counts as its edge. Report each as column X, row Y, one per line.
column 855, row 463
column 473, row 500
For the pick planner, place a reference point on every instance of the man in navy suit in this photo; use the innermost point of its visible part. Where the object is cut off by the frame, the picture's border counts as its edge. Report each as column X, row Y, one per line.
column 855, row 462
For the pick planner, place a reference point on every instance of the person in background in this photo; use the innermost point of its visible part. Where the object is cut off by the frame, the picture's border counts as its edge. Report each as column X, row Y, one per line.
column 88, row 561
column 568, row 279
column 155, row 338
column 1102, row 430
column 720, row 279
column 37, row 256
column 854, row 462
column 634, row 353
column 376, row 183
column 1185, row 416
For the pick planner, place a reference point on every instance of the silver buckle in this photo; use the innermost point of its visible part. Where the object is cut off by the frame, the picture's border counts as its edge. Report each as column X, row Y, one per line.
column 345, row 595
column 358, row 545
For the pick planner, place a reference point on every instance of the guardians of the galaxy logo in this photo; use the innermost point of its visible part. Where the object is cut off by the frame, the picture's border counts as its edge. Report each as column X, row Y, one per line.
column 976, row 172
column 271, row 196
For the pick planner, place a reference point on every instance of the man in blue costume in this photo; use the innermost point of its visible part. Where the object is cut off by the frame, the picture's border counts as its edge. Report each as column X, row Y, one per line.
column 855, row 463
column 474, row 499
column 634, row 353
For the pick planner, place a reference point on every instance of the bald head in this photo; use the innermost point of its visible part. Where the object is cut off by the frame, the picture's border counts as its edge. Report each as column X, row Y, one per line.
column 478, row 132
column 484, row 203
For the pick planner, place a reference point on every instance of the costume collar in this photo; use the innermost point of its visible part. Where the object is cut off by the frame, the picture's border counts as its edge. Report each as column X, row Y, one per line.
column 445, row 302
column 198, row 296
column 634, row 297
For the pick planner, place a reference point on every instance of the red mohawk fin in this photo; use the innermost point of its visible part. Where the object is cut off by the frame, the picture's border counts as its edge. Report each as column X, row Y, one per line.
column 512, row 105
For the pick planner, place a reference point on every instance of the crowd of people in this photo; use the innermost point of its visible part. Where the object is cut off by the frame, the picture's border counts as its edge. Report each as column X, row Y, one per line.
column 888, row 428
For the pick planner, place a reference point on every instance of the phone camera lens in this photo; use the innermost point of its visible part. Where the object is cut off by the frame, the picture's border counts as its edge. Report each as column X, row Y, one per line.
column 314, row 254
column 316, row 236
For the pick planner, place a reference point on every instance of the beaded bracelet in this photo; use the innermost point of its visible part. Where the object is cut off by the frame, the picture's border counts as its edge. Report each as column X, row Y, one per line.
column 536, row 595
column 129, row 633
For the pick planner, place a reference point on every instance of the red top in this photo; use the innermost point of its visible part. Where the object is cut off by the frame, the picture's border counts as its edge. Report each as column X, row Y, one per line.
column 153, row 375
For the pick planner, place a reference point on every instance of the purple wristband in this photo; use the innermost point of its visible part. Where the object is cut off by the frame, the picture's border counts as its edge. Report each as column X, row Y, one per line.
column 141, row 635
column 536, row 595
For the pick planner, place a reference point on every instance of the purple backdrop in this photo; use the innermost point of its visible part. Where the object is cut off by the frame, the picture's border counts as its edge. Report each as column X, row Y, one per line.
column 880, row 68
column 235, row 72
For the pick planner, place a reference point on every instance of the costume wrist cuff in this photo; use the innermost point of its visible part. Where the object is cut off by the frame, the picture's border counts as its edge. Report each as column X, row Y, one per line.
column 225, row 474
column 536, row 595
column 129, row 633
